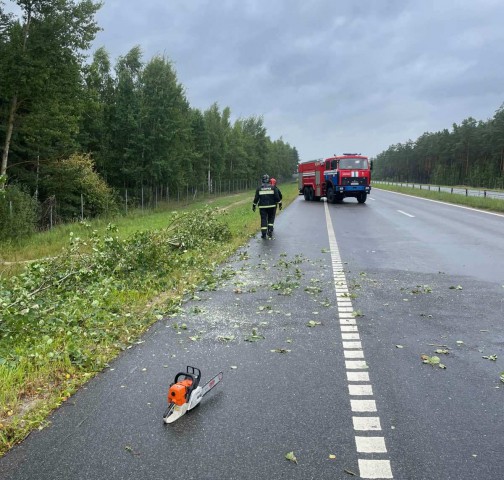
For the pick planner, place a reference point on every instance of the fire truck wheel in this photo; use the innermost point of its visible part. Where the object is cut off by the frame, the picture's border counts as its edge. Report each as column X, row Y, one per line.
column 362, row 197
column 330, row 195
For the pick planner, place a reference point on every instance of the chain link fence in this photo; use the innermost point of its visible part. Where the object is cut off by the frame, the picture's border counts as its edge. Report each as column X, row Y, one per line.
column 49, row 212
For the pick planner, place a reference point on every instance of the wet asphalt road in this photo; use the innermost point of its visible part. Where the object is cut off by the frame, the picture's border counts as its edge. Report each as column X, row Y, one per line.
column 400, row 266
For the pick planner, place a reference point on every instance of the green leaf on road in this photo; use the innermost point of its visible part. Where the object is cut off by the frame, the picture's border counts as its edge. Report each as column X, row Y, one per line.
column 254, row 337
column 130, row 450
column 491, row 357
column 313, row 323
column 291, row 457
column 433, row 361
column 226, row 338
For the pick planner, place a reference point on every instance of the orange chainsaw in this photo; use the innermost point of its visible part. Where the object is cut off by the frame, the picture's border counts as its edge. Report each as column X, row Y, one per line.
column 185, row 393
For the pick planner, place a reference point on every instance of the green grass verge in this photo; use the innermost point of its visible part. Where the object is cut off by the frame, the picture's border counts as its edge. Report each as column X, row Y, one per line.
column 53, row 345
column 482, row 203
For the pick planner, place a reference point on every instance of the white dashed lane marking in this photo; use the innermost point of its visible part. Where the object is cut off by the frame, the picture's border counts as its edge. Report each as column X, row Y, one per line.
column 363, row 405
column 366, row 390
column 371, row 444
column 407, row 214
column 366, row 423
column 370, row 447
column 357, row 376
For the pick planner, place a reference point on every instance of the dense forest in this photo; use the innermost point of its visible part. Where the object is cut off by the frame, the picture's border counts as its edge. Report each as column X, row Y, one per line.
column 472, row 153
column 81, row 132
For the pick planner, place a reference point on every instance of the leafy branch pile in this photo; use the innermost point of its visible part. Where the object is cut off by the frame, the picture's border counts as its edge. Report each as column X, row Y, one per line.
column 62, row 319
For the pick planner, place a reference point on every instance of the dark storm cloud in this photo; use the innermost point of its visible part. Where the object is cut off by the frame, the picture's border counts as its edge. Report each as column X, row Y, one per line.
column 327, row 76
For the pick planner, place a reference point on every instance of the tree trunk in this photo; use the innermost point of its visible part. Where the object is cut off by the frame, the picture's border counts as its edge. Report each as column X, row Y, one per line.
column 14, row 101
column 8, row 136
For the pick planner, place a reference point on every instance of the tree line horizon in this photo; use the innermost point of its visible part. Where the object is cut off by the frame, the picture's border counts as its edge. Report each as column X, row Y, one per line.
column 471, row 154
column 71, row 125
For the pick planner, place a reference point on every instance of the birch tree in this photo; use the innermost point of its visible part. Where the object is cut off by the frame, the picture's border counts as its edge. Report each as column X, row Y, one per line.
column 42, row 53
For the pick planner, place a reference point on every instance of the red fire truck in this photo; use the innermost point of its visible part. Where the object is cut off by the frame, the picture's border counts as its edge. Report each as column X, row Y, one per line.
column 347, row 175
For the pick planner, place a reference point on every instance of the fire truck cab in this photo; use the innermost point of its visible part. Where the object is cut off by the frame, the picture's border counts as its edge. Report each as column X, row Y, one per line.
column 347, row 175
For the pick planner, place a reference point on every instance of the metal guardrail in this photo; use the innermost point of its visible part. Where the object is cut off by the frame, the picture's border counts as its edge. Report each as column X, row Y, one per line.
column 468, row 192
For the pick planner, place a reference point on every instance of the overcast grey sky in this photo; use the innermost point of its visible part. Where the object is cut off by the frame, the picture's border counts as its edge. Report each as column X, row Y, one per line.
column 328, row 76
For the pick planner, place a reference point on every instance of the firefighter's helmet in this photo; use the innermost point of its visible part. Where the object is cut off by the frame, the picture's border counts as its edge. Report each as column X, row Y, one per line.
column 265, row 178
column 273, row 181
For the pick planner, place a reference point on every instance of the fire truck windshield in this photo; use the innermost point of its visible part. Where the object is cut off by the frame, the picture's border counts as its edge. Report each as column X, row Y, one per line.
column 353, row 163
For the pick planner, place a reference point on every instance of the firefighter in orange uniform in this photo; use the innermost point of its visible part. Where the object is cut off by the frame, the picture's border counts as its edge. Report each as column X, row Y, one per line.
column 267, row 198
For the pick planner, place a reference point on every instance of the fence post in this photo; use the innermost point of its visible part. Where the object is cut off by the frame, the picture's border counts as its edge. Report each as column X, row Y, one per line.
column 484, row 193
column 10, row 208
column 466, row 192
column 451, row 190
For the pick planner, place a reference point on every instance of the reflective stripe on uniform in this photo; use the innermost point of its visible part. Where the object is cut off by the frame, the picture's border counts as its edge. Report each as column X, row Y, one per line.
column 266, row 192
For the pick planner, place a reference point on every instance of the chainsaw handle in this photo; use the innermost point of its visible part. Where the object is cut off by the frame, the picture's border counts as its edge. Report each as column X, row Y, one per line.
column 196, row 375
column 193, row 373
column 184, row 376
